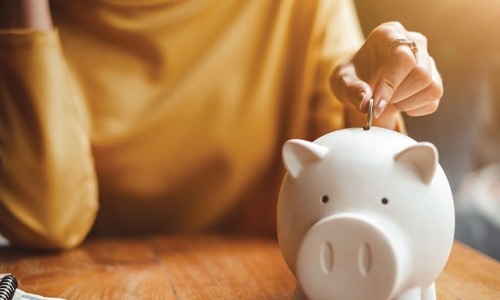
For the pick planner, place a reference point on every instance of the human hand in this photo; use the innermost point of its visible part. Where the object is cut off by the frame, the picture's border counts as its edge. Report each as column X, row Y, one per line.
column 397, row 79
column 25, row 14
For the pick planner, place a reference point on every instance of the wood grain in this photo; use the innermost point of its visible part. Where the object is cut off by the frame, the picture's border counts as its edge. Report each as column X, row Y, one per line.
column 226, row 268
column 202, row 267
column 99, row 269
column 469, row 275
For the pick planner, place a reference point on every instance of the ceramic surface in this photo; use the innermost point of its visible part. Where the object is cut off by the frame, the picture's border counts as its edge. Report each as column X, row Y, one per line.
column 364, row 214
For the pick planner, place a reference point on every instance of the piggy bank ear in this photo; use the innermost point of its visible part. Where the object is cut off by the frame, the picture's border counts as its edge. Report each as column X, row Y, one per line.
column 423, row 156
column 298, row 153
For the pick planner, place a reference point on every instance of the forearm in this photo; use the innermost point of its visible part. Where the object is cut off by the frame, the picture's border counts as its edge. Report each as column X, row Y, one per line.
column 48, row 194
column 25, row 14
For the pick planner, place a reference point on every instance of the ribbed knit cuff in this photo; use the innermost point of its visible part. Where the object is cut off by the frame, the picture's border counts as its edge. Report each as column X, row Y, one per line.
column 19, row 39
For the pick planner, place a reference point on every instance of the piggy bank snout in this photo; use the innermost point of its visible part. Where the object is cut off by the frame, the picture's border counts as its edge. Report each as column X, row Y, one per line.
column 347, row 256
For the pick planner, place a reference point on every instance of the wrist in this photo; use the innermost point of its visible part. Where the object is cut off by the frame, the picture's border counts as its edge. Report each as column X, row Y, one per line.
column 25, row 14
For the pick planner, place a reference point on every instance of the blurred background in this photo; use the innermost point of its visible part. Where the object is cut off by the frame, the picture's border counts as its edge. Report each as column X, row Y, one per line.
column 464, row 39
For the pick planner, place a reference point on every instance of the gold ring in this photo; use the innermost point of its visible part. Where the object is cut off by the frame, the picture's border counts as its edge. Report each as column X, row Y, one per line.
column 406, row 42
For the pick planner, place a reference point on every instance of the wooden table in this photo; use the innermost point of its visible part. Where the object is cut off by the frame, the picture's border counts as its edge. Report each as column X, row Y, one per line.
column 202, row 267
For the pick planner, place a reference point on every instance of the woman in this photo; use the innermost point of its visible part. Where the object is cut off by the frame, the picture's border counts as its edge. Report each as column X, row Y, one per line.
column 168, row 116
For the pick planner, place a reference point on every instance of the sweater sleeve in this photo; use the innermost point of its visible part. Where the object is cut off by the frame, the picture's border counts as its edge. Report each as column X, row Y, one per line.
column 48, row 189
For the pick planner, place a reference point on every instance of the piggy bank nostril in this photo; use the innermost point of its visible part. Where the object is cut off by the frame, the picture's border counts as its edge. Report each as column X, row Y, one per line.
column 326, row 257
column 365, row 259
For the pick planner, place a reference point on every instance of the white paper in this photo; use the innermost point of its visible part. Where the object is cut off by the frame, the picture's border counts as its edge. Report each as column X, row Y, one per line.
column 22, row 295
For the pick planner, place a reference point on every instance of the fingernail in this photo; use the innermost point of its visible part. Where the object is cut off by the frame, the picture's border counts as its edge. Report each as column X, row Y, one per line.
column 359, row 100
column 379, row 108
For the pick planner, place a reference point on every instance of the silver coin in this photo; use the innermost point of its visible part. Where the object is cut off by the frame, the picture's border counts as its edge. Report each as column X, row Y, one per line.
column 370, row 116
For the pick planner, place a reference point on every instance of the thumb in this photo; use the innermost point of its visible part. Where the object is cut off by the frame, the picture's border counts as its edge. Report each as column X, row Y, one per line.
column 349, row 89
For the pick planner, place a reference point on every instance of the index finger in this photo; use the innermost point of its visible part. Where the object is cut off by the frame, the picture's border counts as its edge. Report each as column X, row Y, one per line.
column 400, row 62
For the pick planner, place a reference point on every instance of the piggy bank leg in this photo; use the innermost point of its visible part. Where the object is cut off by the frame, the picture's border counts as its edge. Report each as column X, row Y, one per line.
column 429, row 293
column 298, row 294
column 418, row 294
column 413, row 294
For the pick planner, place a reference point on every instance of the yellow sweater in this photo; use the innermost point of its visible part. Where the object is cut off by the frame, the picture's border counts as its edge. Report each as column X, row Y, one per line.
column 159, row 115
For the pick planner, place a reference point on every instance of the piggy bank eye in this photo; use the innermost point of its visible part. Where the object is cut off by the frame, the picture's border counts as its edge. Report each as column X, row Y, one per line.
column 385, row 201
column 324, row 199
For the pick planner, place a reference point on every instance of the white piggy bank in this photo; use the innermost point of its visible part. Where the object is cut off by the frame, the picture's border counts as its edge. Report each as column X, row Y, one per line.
column 364, row 214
